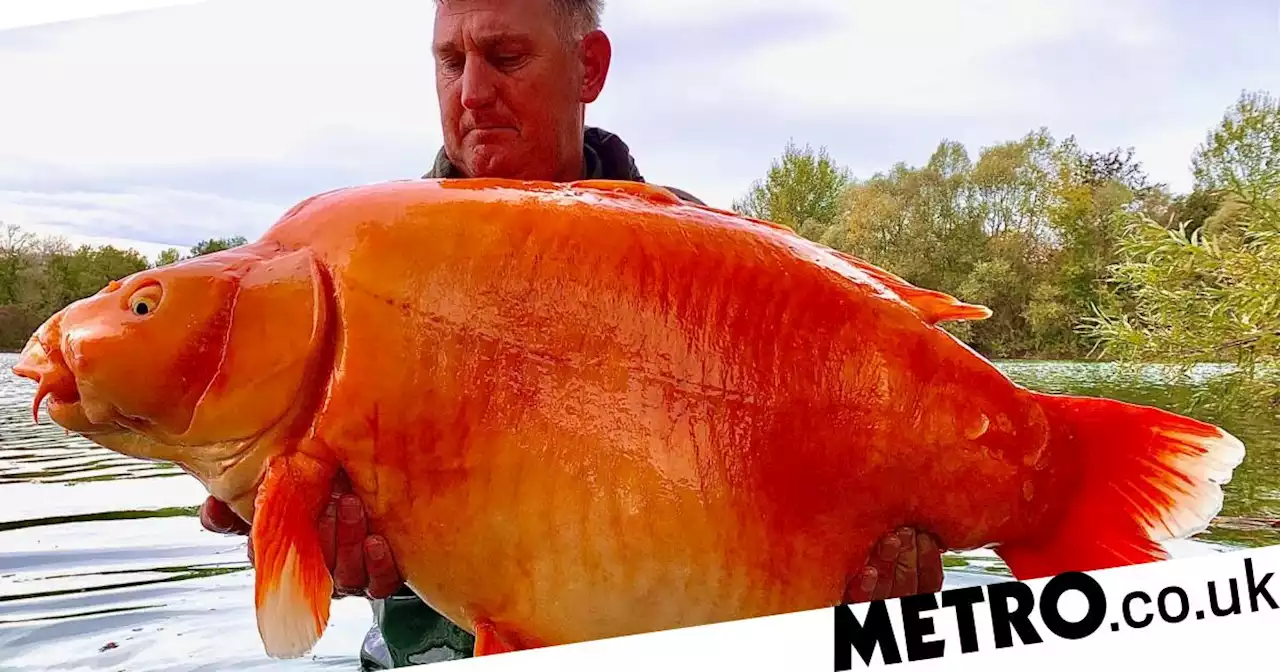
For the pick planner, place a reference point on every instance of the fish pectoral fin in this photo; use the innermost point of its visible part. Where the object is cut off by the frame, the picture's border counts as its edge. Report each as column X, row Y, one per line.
column 293, row 587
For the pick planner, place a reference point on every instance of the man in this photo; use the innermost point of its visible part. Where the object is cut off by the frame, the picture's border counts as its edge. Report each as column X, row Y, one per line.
column 513, row 79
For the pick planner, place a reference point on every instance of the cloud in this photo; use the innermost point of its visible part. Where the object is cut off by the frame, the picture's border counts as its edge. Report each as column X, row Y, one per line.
column 144, row 218
column 223, row 80
column 21, row 15
column 163, row 127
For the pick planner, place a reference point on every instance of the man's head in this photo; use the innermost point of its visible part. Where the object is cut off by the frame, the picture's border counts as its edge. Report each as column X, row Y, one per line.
column 513, row 78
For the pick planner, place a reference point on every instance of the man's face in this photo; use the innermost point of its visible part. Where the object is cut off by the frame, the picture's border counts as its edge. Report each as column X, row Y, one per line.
column 511, row 88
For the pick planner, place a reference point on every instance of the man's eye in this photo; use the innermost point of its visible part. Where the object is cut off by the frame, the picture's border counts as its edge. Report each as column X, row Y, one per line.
column 507, row 61
column 451, row 63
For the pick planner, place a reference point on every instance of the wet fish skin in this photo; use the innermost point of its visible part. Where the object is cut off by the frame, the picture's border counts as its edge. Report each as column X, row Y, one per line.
column 589, row 410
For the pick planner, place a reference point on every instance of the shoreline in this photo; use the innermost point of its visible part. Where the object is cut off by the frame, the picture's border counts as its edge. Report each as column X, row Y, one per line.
column 1030, row 358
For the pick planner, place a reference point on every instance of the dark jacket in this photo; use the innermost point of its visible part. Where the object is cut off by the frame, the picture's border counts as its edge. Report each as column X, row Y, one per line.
column 606, row 156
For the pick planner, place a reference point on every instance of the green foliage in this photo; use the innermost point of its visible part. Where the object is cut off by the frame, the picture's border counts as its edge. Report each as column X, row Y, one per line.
column 802, row 191
column 39, row 276
column 216, row 245
column 172, row 255
column 169, row 256
column 1209, row 292
column 1052, row 236
column 1244, row 148
column 1025, row 230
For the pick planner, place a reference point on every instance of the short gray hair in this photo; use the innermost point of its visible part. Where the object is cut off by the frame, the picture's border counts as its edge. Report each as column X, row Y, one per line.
column 577, row 17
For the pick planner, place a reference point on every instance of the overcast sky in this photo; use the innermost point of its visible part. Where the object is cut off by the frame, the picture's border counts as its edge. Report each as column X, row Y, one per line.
column 162, row 127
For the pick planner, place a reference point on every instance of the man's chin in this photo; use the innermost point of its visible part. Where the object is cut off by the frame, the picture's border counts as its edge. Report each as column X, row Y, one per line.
column 500, row 159
column 490, row 165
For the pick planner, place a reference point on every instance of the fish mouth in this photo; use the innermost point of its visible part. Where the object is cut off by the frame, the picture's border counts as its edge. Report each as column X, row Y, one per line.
column 51, row 374
column 56, row 382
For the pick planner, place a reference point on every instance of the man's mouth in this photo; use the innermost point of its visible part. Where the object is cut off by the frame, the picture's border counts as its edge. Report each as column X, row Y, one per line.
column 483, row 131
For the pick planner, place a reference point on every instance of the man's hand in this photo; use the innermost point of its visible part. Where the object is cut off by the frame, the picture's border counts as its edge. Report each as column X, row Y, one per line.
column 360, row 563
column 218, row 517
column 904, row 563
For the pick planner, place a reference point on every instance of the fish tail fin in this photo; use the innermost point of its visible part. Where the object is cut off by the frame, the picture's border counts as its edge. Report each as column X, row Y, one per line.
column 293, row 588
column 1147, row 476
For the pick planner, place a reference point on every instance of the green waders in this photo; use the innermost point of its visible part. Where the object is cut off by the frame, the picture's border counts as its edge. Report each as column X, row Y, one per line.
column 408, row 632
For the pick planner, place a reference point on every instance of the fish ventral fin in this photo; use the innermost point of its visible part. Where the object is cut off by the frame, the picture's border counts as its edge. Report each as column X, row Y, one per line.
column 934, row 307
column 292, row 585
column 488, row 641
column 1147, row 476
column 492, row 639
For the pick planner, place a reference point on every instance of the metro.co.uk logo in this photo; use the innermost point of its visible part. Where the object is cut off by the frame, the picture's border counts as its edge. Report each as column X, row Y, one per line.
column 1005, row 610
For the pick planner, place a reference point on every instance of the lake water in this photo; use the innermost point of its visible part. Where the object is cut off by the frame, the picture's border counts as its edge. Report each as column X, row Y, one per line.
column 104, row 565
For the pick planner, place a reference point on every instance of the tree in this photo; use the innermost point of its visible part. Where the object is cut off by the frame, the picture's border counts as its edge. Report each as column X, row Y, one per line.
column 216, row 245
column 169, row 256
column 1210, row 294
column 15, row 248
column 921, row 223
column 1243, row 150
column 1028, row 229
column 802, row 190
column 40, row 275
column 1091, row 190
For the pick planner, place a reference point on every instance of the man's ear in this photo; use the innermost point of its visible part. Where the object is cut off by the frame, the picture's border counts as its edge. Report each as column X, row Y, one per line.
column 277, row 329
column 597, row 53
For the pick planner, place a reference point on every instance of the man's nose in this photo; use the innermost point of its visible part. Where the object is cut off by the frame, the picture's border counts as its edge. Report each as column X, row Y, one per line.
column 477, row 84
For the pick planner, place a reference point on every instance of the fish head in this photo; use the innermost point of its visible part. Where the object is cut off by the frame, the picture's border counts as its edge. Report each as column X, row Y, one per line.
column 204, row 363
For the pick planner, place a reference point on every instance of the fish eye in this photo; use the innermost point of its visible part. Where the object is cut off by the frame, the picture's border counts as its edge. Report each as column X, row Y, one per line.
column 145, row 300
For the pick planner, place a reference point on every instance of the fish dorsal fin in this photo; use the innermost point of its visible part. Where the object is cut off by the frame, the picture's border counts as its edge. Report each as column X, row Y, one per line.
column 933, row 306
column 650, row 192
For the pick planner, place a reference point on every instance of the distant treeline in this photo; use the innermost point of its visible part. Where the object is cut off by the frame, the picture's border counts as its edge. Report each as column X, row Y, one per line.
column 1075, row 251
column 40, row 275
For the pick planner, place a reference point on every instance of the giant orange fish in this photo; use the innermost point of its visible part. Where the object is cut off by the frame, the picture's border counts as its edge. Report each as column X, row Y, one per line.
column 578, row 411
